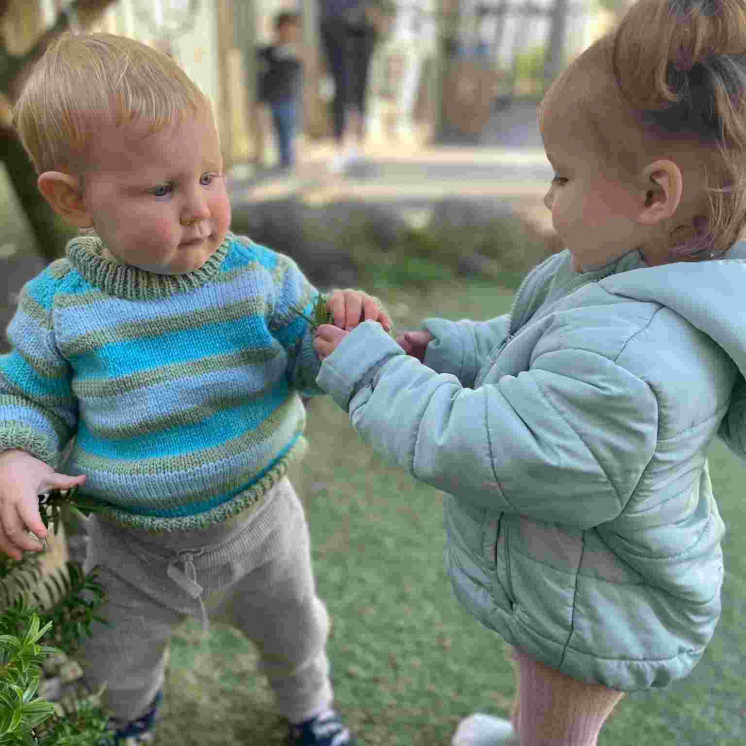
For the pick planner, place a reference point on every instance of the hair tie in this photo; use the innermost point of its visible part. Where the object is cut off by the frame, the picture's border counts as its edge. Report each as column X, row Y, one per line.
column 684, row 61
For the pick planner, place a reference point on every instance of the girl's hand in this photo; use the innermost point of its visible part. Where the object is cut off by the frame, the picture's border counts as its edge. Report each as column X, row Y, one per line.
column 327, row 339
column 352, row 307
column 415, row 343
column 22, row 479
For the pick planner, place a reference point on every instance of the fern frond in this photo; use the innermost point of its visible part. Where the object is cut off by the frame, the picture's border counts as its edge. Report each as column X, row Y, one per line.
column 21, row 579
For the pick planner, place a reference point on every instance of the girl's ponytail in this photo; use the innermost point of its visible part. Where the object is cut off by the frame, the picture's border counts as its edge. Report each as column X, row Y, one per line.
column 686, row 61
column 681, row 65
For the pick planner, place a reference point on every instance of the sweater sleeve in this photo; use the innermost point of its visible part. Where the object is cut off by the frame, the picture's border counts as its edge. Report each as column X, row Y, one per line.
column 547, row 443
column 462, row 347
column 38, row 411
column 293, row 293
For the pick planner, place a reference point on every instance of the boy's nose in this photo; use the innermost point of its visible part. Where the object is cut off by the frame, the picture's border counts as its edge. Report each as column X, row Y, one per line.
column 195, row 211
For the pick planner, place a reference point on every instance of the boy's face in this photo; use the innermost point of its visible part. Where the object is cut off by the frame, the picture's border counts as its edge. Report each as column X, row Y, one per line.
column 594, row 212
column 287, row 33
column 159, row 201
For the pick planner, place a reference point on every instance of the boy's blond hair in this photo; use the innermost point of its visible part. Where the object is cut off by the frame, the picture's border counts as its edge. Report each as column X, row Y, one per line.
column 88, row 81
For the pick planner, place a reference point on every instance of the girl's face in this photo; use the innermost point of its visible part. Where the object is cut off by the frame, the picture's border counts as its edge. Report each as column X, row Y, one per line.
column 594, row 212
column 158, row 201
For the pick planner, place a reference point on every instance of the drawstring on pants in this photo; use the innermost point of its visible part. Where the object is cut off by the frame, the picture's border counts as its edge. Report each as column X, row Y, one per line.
column 187, row 579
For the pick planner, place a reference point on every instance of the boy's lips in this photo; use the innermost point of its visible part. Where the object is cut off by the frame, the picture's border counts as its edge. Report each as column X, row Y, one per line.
column 192, row 242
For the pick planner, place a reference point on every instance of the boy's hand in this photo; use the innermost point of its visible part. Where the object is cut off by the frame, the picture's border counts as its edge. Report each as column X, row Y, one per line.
column 415, row 343
column 22, row 479
column 352, row 307
column 327, row 339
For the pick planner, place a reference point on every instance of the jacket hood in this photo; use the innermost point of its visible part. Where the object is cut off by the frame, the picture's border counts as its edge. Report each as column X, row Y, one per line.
column 710, row 295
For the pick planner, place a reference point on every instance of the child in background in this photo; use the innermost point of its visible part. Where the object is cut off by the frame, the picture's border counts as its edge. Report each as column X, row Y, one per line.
column 280, row 75
column 172, row 352
column 571, row 435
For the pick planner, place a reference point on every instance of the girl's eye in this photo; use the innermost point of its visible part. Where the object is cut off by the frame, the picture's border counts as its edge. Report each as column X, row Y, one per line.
column 559, row 180
column 161, row 190
column 206, row 179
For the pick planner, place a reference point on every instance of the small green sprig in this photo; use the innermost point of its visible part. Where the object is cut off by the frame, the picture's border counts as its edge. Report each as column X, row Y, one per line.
column 321, row 314
column 54, row 503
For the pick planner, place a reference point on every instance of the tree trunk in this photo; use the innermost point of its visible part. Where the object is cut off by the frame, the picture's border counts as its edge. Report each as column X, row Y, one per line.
column 50, row 231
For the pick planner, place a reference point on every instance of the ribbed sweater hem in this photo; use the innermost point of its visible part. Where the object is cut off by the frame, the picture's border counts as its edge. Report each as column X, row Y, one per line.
column 247, row 500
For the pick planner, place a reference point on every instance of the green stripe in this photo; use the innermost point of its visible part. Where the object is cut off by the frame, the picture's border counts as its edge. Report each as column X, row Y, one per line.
column 62, row 431
column 31, row 308
column 44, row 367
column 135, row 330
column 159, row 464
column 249, row 499
column 187, row 416
column 168, row 373
column 59, row 268
column 97, row 296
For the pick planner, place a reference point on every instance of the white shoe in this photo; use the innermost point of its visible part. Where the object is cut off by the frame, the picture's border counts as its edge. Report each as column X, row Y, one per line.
column 483, row 730
column 339, row 163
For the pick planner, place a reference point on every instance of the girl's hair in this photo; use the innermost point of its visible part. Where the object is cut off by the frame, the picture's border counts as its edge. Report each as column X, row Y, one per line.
column 86, row 81
column 670, row 82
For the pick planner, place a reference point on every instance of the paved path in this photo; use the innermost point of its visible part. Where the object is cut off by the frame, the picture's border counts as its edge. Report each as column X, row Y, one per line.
column 411, row 176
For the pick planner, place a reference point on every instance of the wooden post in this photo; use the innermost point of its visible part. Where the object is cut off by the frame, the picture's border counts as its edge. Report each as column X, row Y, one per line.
column 556, row 49
column 225, row 27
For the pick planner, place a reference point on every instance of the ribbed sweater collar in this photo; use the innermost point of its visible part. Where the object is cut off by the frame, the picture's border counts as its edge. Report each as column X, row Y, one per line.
column 126, row 281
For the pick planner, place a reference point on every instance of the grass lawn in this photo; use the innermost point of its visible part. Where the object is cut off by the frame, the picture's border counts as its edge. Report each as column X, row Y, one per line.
column 407, row 661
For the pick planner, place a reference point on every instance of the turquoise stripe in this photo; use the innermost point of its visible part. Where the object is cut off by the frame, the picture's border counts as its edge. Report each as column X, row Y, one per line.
column 196, row 508
column 41, row 289
column 239, row 256
column 266, row 257
column 136, row 355
column 294, row 331
column 24, row 376
column 190, row 438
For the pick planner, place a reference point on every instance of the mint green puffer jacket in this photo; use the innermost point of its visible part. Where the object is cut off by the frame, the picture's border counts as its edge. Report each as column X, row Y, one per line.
column 570, row 437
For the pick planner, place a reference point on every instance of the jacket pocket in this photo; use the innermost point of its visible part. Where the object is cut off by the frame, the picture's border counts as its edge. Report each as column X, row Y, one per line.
column 501, row 557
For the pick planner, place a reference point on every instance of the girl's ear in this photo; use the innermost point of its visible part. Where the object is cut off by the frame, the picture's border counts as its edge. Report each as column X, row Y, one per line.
column 64, row 194
column 663, row 194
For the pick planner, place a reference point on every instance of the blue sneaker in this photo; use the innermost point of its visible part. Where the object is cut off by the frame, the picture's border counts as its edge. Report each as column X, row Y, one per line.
column 140, row 731
column 326, row 729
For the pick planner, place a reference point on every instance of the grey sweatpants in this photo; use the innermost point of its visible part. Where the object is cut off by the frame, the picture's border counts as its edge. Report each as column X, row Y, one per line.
column 253, row 571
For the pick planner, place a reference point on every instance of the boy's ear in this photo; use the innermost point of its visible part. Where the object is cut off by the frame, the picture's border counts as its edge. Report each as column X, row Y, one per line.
column 662, row 195
column 64, row 194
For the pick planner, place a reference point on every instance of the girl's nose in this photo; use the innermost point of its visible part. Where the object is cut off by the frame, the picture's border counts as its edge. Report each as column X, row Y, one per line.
column 549, row 198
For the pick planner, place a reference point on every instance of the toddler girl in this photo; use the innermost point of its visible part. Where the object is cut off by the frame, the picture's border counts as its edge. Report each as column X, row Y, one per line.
column 571, row 435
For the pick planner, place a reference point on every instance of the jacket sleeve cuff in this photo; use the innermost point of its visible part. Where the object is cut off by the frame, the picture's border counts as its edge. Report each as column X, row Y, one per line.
column 445, row 353
column 355, row 361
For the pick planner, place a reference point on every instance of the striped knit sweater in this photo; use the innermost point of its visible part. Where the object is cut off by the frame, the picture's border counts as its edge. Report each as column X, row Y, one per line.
column 180, row 390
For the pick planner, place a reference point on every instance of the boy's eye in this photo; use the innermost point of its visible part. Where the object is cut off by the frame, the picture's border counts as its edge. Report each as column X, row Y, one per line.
column 206, row 179
column 161, row 190
column 559, row 180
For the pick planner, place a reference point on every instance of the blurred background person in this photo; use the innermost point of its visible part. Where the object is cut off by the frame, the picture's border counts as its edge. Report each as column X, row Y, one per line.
column 348, row 35
column 280, row 75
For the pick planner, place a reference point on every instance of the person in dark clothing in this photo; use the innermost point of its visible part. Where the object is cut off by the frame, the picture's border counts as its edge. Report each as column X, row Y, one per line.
column 280, row 74
column 348, row 37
